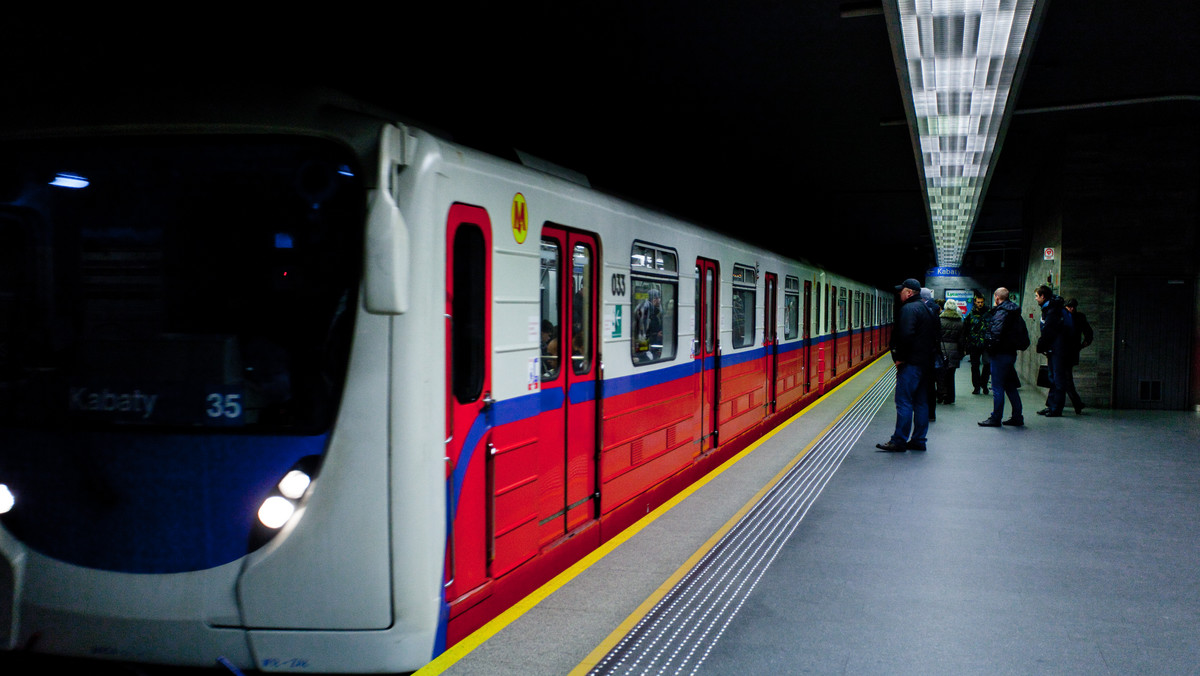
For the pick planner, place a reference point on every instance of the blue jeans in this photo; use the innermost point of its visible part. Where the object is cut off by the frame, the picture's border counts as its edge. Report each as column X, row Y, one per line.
column 1004, row 382
column 912, row 404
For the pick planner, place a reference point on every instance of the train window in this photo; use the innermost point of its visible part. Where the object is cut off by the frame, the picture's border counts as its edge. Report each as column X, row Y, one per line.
column 858, row 309
column 581, row 311
column 745, row 280
column 468, row 309
column 791, row 308
column 550, row 304
column 841, row 309
column 654, row 276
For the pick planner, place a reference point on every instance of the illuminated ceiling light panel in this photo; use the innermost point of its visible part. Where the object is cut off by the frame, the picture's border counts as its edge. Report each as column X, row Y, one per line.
column 960, row 62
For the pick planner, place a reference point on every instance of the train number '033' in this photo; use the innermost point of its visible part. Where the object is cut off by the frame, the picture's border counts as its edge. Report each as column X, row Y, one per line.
column 618, row 285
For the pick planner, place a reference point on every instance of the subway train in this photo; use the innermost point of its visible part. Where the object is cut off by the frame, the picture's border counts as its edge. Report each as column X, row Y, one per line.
column 307, row 388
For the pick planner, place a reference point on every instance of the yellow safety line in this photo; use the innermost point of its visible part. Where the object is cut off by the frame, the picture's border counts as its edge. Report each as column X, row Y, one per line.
column 461, row 649
column 636, row 616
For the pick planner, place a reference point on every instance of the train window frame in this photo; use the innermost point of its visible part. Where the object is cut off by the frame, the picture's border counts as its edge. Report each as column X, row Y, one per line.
column 841, row 307
column 791, row 313
column 744, row 280
column 856, row 313
column 469, row 309
column 653, row 274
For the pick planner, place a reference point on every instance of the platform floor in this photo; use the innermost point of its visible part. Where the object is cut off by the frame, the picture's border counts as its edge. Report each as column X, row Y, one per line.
column 1068, row 546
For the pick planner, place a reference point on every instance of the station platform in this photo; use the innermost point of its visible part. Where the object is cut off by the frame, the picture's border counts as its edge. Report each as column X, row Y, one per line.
column 1068, row 546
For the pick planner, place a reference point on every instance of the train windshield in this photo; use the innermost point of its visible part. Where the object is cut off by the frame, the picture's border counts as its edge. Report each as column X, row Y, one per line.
column 168, row 282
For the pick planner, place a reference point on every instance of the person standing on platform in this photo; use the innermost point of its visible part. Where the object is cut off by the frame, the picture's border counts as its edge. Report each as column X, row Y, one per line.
column 953, row 340
column 1083, row 332
column 914, row 342
column 939, row 360
column 975, row 330
column 1060, row 345
column 1006, row 336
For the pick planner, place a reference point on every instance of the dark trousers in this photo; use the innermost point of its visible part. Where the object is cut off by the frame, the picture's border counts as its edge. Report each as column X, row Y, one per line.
column 980, row 372
column 945, row 386
column 1062, row 383
column 1004, row 382
column 912, row 404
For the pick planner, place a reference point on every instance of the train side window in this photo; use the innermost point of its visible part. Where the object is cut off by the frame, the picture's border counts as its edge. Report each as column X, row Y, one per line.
column 469, row 308
column 581, row 311
column 654, row 277
column 745, row 281
column 791, row 308
column 857, row 316
column 841, row 309
column 550, row 303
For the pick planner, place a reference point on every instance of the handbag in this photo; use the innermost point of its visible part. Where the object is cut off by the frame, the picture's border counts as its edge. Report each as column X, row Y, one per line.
column 1043, row 379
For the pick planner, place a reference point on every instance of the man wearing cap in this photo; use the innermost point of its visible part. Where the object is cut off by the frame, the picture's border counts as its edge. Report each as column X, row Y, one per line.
column 914, row 342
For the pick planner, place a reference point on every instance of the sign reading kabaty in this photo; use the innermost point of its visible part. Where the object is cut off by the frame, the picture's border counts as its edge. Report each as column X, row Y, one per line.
column 106, row 401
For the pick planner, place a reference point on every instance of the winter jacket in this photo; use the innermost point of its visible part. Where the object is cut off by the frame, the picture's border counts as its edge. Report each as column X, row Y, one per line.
column 915, row 334
column 975, row 329
column 1058, row 330
column 953, row 336
column 1006, row 331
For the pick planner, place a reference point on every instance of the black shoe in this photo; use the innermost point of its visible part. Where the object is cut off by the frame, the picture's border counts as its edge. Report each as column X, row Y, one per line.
column 990, row 422
column 1053, row 414
column 1016, row 422
column 1044, row 411
column 985, row 390
column 916, row 447
column 1079, row 410
column 975, row 391
column 891, row 447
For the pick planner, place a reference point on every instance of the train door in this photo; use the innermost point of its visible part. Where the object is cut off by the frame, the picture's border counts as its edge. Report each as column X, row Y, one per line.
column 770, row 338
column 567, row 435
column 833, row 329
column 707, row 349
column 809, row 370
column 468, row 378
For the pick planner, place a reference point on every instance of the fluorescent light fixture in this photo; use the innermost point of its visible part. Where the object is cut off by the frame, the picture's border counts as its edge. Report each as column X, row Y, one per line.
column 959, row 62
column 69, row 181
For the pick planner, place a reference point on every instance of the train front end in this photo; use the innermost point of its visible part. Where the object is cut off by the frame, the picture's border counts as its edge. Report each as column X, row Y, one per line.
column 194, row 442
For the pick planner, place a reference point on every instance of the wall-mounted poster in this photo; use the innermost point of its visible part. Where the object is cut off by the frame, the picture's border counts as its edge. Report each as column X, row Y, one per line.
column 960, row 297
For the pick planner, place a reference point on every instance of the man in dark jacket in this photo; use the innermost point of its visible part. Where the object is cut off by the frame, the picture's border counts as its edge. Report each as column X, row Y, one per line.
column 1060, row 344
column 1083, row 331
column 975, row 328
column 1006, row 335
column 914, row 343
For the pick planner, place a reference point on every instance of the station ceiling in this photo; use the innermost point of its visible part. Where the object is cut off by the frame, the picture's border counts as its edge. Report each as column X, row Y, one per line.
column 779, row 121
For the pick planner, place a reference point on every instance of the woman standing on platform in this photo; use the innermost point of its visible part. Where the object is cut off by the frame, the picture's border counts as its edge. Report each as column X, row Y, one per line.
column 953, row 340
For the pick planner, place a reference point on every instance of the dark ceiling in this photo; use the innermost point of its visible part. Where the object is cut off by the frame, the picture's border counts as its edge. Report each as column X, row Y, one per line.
column 779, row 121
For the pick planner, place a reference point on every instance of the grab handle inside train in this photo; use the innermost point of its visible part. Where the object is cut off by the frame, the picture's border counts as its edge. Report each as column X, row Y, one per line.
column 386, row 266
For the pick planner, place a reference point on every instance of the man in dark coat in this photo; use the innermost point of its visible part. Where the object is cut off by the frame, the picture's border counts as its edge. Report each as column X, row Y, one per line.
column 1083, row 331
column 914, row 343
column 1006, row 335
column 1060, row 344
column 975, row 328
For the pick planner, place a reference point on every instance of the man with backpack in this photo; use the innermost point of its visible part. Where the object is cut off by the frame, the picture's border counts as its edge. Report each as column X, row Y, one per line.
column 1006, row 335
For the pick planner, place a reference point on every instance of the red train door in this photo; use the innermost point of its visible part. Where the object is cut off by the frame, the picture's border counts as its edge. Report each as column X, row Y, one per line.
column 770, row 337
column 809, row 363
column 833, row 330
column 468, row 395
column 707, row 349
column 567, row 436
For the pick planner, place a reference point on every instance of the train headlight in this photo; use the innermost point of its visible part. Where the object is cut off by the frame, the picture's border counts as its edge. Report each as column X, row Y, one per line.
column 275, row 511
column 285, row 499
column 293, row 484
column 6, row 499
